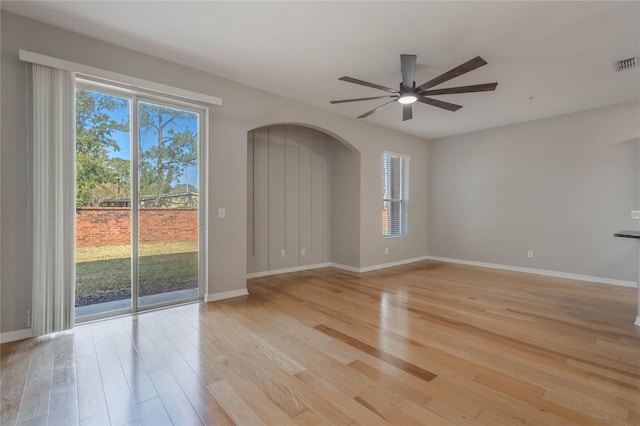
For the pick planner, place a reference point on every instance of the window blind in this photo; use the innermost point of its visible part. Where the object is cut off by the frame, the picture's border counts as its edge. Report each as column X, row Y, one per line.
column 395, row 195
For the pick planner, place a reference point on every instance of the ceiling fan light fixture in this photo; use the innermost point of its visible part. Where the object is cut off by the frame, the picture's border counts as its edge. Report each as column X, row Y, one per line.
column 407, row 99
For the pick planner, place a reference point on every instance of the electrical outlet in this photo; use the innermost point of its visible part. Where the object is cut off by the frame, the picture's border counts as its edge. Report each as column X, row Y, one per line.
column 386, row 250
column 28, row 313
column 303, row 252
column 530, row 254
column 635, row 214
column 283, row 253
column 221, row 213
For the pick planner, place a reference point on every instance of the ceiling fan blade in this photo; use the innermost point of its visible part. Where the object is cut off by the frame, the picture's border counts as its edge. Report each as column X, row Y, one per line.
column 439, row 104
column 488, row 87
column 362, row 99
column 407, row 112
column 366, row 114
column 471, row 65
column 366, row 83
column 408, row 68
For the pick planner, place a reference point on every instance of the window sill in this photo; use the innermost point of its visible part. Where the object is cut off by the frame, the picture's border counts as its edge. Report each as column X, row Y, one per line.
column 394, row 236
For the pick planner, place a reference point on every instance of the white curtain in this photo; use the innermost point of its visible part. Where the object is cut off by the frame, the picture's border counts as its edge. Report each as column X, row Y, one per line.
column 53, row 199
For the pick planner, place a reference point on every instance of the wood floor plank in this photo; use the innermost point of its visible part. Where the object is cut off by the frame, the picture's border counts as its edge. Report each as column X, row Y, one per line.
column 35, row 398
column 207, row 408
column 344, row 402
column 420, row 413
column 63, row 404
column 14, row 379
column 378, row 404
column 390, row 383
column 259, row 402
column 120, row 402
column 382, row 355
column 174, row 400
column 233, row 404
column 91, row 399
column 152, row 413
column 450, row 414
column 423, row 343
column 601, row 410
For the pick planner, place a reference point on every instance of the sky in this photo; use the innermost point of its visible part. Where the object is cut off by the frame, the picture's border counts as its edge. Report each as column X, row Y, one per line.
column 148, row 139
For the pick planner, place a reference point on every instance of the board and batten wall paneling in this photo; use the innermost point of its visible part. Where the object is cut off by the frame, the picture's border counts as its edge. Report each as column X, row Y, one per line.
column 257, row 201
column 327, row 180
column 288, row 198
column 291, row 173
column 304, row 191
column 315, row 247
column 276, row 198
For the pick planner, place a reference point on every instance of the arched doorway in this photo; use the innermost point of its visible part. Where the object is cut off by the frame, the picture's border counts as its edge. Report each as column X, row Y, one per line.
column 294, row 202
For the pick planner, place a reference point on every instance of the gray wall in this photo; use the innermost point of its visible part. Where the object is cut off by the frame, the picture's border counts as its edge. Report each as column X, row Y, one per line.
column 15, row 266
column 345, row 205
column 288, row 197
column 245, row 108
column 559, row 186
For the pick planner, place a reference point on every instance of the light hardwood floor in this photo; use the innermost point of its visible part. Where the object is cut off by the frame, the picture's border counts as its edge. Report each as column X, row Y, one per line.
column 427, row 343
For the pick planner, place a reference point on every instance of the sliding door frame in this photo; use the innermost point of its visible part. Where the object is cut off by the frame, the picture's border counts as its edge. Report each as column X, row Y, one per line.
column 135, row 97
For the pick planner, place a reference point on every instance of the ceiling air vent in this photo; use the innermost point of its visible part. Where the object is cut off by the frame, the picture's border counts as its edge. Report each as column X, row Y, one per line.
column 627, row 64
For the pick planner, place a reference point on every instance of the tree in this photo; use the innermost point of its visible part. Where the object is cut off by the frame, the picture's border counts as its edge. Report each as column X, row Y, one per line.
column 174, row 148
column 95, row 128
column 120, row 172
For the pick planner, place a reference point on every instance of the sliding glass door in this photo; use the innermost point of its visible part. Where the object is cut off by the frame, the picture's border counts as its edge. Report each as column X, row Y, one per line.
column 138, row 217
column 168, row 204
column 103, row 203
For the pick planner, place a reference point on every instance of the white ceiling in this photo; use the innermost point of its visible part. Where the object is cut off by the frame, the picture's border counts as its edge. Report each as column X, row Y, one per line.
column 549, row 58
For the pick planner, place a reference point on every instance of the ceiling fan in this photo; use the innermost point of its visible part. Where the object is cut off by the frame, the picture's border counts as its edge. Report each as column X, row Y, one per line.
column 409, row 93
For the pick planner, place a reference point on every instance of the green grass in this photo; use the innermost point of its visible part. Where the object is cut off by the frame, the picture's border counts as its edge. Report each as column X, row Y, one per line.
column 106, row 269
column 121, row 251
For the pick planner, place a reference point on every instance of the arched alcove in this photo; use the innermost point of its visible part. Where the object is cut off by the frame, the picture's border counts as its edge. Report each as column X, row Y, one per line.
column 303, row 187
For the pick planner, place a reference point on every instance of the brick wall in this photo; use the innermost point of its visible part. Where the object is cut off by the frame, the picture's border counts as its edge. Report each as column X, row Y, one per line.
column 102, row 226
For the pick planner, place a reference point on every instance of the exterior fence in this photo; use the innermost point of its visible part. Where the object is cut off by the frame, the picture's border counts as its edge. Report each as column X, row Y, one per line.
column 103, row 226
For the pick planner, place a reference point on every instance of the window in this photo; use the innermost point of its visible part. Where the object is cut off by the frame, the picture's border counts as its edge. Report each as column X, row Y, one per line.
column 395, row 172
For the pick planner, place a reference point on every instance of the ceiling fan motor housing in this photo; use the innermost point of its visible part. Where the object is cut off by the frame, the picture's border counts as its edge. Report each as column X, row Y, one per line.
column 404, row 91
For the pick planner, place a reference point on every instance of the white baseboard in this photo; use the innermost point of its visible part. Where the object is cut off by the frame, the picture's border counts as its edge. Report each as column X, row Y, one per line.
column 225, row 295
column 390, row 264
column 378, row 266
column 334, row 265
column 345, row 267
column 287, row 270
column 12, row 336
column 556, row 274
column 545, row 272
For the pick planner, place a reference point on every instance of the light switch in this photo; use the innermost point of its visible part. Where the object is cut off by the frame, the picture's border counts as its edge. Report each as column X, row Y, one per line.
column 221, row 213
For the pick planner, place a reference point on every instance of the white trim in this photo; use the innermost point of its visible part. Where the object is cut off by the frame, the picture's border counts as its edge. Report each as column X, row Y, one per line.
column 378, row 266
column 37, row 58
column 345, row 267
column 556, row 274
column 287, row 270
column 637, row 321
column 390, row 264
column 12, row 336
column 545, row 272
column 225, row 295
column 203, row 201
